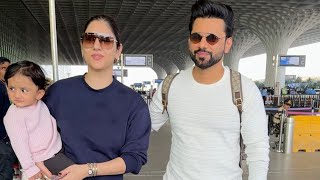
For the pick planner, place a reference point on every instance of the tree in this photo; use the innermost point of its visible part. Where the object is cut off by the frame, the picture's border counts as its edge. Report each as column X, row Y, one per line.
column 298, row 80
column 309, row 82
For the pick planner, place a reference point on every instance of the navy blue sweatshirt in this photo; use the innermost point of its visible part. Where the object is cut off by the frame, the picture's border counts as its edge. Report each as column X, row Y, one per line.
column 101, row 125
column 4, row 106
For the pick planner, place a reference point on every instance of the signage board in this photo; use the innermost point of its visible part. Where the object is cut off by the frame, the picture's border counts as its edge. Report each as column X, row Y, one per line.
column 138, row 60
column 292, row 60
column 117, row 72
column 158, row 81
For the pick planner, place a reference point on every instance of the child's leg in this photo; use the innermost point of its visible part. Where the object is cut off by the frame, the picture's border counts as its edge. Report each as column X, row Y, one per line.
column 58, row 163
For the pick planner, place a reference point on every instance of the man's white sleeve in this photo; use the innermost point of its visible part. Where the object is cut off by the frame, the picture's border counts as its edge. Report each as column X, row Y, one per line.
column 255, row 132
column 156, row 108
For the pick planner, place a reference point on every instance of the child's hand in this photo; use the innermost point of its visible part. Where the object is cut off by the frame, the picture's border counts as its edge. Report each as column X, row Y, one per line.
column 36, row 176
column 44, row 170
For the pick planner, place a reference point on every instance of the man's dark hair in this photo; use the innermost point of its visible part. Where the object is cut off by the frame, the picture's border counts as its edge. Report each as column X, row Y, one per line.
column 287, row 102
column 209, row 9
column 4, row 59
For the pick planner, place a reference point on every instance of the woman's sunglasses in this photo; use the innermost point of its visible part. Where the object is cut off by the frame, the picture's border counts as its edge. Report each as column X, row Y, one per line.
column 211, row 39
column 106, row 41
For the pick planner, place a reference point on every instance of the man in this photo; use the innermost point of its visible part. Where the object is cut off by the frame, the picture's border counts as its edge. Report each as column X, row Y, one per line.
column 7, row 156
column 277, row 116
column 264, row 94
column 205, row 123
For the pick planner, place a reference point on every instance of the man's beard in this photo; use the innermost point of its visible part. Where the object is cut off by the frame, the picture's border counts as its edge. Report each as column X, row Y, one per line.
column 212, row 61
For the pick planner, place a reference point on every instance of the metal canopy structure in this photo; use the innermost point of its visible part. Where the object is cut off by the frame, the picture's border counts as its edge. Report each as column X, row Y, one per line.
column 158, row 27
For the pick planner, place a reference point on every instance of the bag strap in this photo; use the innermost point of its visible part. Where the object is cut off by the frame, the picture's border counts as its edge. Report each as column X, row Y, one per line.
column 235, row 78
column 165, row 90
column 236, row 88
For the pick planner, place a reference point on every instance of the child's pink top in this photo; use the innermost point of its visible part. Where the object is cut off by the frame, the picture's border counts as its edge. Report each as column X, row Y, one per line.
column 33, row 134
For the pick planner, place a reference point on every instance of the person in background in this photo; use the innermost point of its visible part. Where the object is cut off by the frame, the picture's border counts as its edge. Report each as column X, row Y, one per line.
column 31, row 129
column 105, row 125
column 264, row 94
column 310, row 91
column 205, row 124
column 7, row 156
column 287, row 103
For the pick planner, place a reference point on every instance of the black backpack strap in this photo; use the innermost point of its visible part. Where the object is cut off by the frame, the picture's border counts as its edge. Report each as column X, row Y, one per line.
column 165, row 90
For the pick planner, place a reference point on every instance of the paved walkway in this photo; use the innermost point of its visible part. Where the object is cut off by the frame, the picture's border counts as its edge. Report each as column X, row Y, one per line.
column 295, row 166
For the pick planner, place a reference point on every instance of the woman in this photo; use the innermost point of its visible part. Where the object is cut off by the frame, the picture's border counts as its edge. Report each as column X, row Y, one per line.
column 104, row 125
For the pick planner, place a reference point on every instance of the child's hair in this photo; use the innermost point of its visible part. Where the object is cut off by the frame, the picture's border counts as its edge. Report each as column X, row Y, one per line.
column 29, row 69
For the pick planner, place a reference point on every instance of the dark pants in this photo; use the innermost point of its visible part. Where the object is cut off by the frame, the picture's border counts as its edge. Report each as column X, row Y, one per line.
column 264, row 99
column 7, row 158
column 58, row 163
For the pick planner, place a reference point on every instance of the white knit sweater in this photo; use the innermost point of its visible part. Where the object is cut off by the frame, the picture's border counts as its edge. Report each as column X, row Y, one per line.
column 206, row 129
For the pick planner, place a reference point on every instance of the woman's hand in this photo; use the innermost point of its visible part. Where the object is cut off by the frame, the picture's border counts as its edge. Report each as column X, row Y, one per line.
column 74, row 172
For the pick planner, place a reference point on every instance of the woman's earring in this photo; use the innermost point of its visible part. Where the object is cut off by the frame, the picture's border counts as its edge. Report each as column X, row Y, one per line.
column 115, row 60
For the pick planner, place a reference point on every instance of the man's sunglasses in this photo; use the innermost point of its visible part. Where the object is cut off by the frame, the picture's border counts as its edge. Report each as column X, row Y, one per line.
column 106, row 41
column 211, row 39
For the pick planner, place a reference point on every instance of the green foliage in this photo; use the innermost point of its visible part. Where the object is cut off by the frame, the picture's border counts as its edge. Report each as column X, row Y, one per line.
column 259, row 83
column 298, row 80
column 308, row 83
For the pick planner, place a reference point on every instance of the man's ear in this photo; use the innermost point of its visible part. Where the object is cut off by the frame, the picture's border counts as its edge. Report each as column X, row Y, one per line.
column 40, row 94
column 228, row 44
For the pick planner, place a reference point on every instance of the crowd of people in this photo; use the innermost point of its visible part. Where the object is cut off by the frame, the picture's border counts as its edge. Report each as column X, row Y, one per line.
column 92, row 126
column 287, row 90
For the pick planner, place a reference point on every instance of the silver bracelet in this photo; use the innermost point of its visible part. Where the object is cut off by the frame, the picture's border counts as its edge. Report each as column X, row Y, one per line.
column 92, row 169
column 95, row 169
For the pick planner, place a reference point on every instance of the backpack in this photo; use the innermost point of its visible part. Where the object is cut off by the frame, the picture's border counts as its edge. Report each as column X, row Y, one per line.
column 236, row 89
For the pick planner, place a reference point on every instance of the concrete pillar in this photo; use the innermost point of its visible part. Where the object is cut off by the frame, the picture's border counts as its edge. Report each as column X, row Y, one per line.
column 277, row 34
column 161, row 73
column 242, row 41
column 165, row 63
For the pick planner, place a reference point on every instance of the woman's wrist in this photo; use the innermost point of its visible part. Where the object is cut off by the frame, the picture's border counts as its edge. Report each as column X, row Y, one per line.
column 92, row 169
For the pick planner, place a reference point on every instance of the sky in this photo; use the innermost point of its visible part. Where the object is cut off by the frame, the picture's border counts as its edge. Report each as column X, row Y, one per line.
column 253, row 67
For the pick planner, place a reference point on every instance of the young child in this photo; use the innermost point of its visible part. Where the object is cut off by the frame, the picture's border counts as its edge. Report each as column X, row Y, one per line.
column 31, row 128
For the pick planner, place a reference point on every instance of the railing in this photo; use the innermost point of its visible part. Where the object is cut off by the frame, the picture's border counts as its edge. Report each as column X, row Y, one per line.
column 298, row 100
column 302, row 100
